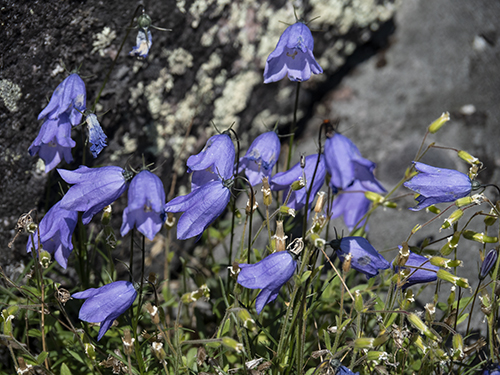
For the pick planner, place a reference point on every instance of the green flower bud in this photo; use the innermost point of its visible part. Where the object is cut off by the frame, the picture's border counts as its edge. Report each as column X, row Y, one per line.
column 438, row 123
column 444, row 262
column 230, row 343
column 458, row 346
column 45, row 258
column 375, row 355
column 479, row 237
column 246, row 320
column 420, row 325
column 144, row 21
column 469, row 158
column 455, row 280
column 106, row 215
column 491, row 219
column 433, row 209
column 453, row 218
column 374, row 197
column 203, row 291
column 299, row 184
column 266, row 192
column 287, row 211
column 364, row 343
column 451, row 244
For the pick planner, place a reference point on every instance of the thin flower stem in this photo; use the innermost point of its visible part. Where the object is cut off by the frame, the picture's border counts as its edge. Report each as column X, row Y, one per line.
column 108, row 74
column 293, row 126
column 338, row 273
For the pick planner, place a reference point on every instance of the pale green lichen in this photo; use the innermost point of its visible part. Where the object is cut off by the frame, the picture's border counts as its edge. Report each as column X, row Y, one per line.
column 197, row 8
column 129, row 147
column 10, row 93
column 208, row 37
column 103, row 40
column 179, row 61
column 181, row 5
column 235, row 97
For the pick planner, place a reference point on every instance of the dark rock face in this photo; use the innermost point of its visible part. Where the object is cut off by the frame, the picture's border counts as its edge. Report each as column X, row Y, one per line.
column 208, row 68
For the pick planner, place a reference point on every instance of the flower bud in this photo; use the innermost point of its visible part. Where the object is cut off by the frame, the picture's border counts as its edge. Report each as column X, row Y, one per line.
column 438, row 123
column 6, row 317
column 358, row 301
column 376, row 355
column 403, row 255
column 230, row 343
column 433, row 209
column 486, row 307
column 451, row 244
column 445, row 263
column 280, row 237
column 320, row 202
column 453, row 218
column 247, row 320
column 299, row 184
column 469, row 158
column 202, row 291
column 455, row 280
column 346, row 265
column 106, row 215
column 374, row 197
column 128, row 342
column 158, row 351
column 420, row 325
column 390, row 204
column 488, row 263
column 491, row 218
column 153, row 313
column 430, row 312
column 45, row 258
column 451, row 297
column 170, row 222
column 287, row 211
column 479, row 237
column 251, row 208
column 144, row 21
column 364, row 343
column 458, row 346
column 266, row 192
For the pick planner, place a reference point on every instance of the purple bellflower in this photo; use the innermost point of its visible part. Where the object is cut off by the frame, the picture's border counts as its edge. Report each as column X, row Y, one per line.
column 214, row 162
column 489, row 261
column 270, row 274
column 261, row 157
column 427, row 273
column 492, row 369
column 93, row 189
column 145, row 210
column 293, row 56
column 283, row 180
column 438, row 185
column 56, row 229
column 69, row 97
column 97, row 138
column 345, row 164
column 105, row 304
column 342, row 370
column 143, row 44
column 364, row 257
column 54, row 142
column 212, row 171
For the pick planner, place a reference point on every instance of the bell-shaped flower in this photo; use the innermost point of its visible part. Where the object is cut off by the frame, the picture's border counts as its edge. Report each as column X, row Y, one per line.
column 293, row 56
column 345, row 164
column 69, row 97
column 352, row 204
column 261, row 157
column 489, row 261
column 97, row 138
column 438, row 185
column 54, row 142
column 145, row 210
column 93, row 189
column 143, row 44
column 284, row 180
column 201, row 207
column 421, row 270
column 270, row 274
column 56, row 229
column 214, row 162
column 105, row 304
column 364, row 257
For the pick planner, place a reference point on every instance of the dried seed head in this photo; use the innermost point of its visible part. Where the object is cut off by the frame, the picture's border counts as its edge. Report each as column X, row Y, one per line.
column 280, row 237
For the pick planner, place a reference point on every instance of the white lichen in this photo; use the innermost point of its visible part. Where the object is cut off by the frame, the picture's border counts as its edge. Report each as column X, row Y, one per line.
column 103, row 40
column 10, row 93
column 179, row 60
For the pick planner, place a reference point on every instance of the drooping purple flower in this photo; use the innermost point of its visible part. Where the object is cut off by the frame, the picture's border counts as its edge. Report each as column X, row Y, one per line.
column 105, row 304
column 492, row 369
column 56, row 229
column 427, row 273
column 143, row 44
column 438, row 185
column 69, row 97
column 54, row 142
column 214, row 162
column 93, row 189
column 283, row 180
column 364, row 257
column 201, row 207
column 97, row 138
column 489, row 261
column 270, row 274
column 293, row 56
column 345, row 164
column 145, row 210
column 261, row 157
column 342, row 370
column 352, row 204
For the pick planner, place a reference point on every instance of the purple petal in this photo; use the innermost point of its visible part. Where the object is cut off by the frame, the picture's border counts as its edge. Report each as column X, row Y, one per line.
column 143, row 44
